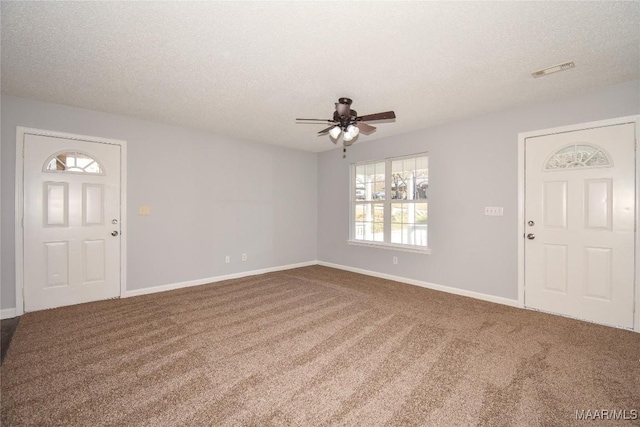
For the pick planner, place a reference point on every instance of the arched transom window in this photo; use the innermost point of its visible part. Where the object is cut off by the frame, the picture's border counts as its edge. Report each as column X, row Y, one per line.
column 73, row 161
column 578, row 156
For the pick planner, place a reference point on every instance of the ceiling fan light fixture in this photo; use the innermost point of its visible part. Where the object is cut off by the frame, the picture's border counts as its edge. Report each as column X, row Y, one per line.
column 348, row 123
column 335, row 132
column 353, row 131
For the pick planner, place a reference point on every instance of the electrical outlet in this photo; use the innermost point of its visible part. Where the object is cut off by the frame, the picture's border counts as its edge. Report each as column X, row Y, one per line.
column 494, row 211
column 227, row 259
column 144, row 210
column 395, row 260
column 244, row 257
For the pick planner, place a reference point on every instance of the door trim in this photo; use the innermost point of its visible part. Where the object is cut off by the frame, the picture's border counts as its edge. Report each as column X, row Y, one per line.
column 19, row 204
column 521, row 200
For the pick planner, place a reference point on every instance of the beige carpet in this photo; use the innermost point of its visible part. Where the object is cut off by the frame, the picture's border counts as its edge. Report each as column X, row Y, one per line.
column 313, row 347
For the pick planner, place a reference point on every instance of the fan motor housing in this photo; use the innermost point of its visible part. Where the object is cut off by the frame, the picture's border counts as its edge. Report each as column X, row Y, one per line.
column 345, row 121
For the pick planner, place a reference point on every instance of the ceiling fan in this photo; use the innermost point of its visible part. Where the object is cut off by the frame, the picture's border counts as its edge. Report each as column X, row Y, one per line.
column 347, row 122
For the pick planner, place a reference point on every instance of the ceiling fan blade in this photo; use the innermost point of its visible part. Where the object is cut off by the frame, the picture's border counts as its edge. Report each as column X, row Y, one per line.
column 326, row 130
column 378, row 116
column 316, row 120
column 365, row 128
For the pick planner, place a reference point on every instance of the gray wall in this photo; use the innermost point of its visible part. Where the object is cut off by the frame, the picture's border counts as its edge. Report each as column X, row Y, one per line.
column 473, row 163
column 210, row 196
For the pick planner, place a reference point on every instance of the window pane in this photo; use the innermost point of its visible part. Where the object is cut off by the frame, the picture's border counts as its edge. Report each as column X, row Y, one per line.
column 370, row 170
column 92, row 167
column 378, row 192
column 411, row 213
column 70, row 159
column 365, row 231
column 396, row 166
column 73, row 162
column 398, row 187
column 53, row 165
column 409, row 165
column 419, row 180
column 380, row 171
column 370, row 182
column 359, row 182
column 420, row 235
column 396, row 233
column 401, row 213
column 378, row 212
column 82, row 160
column 421, row 163
column 421, row 190
column 369, row 222
column 421, row 213
column 411, row 184
column 378, row 232
column 409, row 223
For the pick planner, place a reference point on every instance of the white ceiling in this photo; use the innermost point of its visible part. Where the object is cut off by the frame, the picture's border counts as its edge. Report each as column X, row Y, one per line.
column 248, row 69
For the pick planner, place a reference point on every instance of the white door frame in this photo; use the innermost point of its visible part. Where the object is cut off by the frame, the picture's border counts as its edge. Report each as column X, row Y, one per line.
column 19, row 204
column 521, row 200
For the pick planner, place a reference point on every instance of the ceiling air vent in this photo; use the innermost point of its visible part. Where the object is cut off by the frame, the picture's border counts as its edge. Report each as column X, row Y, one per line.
column 554, row 69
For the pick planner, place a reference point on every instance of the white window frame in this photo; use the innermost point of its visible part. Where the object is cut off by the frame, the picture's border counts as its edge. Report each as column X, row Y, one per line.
column 387, row 208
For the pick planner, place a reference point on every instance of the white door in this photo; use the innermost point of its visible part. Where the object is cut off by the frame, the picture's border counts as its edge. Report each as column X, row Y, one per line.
column 579, row 223
column 71, row 221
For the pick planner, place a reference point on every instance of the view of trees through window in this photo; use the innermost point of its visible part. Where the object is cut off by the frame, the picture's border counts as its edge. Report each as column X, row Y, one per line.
column 390, row 201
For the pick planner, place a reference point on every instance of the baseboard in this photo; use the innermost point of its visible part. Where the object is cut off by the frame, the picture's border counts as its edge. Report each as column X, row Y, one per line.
column 441, row 288
column 7, row 313
column 198, row 282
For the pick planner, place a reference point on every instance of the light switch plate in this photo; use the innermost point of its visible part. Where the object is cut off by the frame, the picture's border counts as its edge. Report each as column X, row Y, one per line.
column 494, row 211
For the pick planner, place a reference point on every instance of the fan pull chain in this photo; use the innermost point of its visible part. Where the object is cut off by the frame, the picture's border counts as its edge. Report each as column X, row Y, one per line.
column 344, row 153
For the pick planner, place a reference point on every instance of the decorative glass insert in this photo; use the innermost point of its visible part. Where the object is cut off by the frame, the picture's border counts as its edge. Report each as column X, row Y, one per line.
column 578, row 156
column 73, row 161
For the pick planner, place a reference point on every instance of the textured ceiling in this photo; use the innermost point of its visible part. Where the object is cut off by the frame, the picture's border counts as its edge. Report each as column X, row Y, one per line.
column 248, row 69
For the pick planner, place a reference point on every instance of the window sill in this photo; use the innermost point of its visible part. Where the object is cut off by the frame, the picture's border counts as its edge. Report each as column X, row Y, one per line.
column 391, row 246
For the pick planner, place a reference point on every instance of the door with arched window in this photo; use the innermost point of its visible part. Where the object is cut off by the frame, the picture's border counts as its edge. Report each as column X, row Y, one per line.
column 579, row 221
column 71, row 221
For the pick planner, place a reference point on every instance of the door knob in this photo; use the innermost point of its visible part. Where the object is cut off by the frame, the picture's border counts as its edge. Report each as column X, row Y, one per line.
column 531, row 236
column 114, row 233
